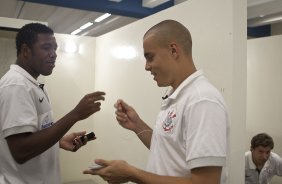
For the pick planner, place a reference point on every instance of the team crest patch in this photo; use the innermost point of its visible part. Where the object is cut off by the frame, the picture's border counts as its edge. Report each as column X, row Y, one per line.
column 168, row 123
column 46, row 122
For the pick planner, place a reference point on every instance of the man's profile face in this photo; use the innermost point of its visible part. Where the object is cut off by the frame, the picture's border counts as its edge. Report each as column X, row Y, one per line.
column 260, row 155
column 43, row 55
column 158, row 61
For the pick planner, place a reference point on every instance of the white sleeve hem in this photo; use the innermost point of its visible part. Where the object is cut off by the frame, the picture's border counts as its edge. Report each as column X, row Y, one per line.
column 207, row 161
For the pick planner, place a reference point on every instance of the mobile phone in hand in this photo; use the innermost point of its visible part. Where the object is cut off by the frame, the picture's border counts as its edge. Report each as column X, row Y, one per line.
column 90, row 136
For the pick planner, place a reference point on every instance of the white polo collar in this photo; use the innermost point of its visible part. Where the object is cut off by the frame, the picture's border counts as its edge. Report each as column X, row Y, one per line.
column 173, row 94
column 23, row 72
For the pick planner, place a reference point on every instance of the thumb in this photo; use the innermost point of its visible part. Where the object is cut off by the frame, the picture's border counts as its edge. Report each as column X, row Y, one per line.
column 79, row 133
column 102, row 162
column 125, row 107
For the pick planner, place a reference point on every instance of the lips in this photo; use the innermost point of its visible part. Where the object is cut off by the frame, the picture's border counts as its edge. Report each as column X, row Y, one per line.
column 154, row 75
column 51, row 64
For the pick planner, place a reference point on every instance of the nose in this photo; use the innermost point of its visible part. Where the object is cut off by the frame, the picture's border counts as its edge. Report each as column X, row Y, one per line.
column 53, row 54
column 265, row 156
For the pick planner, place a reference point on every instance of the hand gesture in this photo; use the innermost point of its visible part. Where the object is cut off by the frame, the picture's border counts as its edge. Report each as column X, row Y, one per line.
column 115, row 171
column 127, row 116
column 88, row 105
column 71, row 142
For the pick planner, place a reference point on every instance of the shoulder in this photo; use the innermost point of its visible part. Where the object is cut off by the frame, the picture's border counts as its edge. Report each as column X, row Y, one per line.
column 12, row 77
column 275, row 156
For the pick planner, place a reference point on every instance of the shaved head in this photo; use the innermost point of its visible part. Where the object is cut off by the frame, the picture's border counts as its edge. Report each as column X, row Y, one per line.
column 169, row 31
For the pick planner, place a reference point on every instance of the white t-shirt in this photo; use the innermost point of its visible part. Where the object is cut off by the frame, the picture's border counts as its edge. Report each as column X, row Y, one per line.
column 192, row 130
column 25, row 107
column 273, row 166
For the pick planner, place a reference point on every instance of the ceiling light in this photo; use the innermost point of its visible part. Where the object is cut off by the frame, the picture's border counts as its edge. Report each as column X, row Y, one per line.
column 124, row 52
column 88, row 24
column 153, row 3
column 76, row 31
column 70, row 47
column 116, row 0
column 99, row 19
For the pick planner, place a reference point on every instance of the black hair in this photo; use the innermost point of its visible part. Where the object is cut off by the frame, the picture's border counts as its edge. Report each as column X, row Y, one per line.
column 263, row 140
column 28, row 34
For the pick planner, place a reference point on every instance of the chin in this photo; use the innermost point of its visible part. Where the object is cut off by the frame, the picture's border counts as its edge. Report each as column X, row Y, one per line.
column 47, row 73
column 162, row 84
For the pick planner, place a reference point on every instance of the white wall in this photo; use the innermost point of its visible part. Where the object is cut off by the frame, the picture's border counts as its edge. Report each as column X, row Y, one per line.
column 264, row 91
column 8, row 54
column 72, row 78
column 218, row 31
column 276, row 29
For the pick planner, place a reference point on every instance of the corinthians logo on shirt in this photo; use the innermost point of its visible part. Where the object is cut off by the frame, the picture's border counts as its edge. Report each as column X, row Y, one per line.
column 168, row 123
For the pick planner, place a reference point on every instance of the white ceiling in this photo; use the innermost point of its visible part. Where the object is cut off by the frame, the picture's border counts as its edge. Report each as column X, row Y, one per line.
column 65, row 20
column 263, row 12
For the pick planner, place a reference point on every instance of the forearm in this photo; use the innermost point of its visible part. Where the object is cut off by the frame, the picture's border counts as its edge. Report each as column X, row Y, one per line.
column 28, row 145
column 143, row 177
column 204, row 175
column 144, row 133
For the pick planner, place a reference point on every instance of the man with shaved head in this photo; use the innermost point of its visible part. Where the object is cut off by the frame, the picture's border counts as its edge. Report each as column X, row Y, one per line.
column 189, row 143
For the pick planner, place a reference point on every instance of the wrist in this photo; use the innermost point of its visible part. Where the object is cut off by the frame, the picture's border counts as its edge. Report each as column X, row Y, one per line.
column 73, row 116
column 134, row 175
column 144, row 131
column 140, row 126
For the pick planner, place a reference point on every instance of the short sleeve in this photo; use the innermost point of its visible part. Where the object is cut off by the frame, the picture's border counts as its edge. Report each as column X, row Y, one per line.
column 206, row 136
column 18, row 113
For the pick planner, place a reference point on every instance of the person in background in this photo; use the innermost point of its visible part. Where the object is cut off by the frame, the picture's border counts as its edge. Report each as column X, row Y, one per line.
column 189, row 143
column 261, row 164
column 29, row 137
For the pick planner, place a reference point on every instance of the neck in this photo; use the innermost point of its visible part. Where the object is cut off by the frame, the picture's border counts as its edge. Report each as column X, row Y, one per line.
column 184, row 71
column 26, row 68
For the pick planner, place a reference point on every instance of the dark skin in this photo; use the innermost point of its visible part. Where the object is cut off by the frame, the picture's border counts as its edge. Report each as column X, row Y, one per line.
column 40, row 60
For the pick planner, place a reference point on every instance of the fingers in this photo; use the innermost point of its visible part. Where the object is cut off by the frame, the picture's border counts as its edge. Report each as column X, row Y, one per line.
column 120, row 110
column 88, row 105
column 122, row 118
column 125, row 107
column 95, row 96
column 93, row 100
column 77, row 142
column 102, row 162
column 120, row 105
column 79, row 133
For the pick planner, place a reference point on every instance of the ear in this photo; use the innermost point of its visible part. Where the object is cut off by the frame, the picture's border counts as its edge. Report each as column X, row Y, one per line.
column 174, row 50
column 25, row 50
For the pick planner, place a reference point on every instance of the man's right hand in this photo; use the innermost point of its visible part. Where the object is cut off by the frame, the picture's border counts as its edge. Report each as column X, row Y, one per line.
column 127, row 116
column 88, row 105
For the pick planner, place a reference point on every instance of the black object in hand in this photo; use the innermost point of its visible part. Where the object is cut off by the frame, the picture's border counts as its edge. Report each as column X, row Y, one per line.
column 89, row 136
